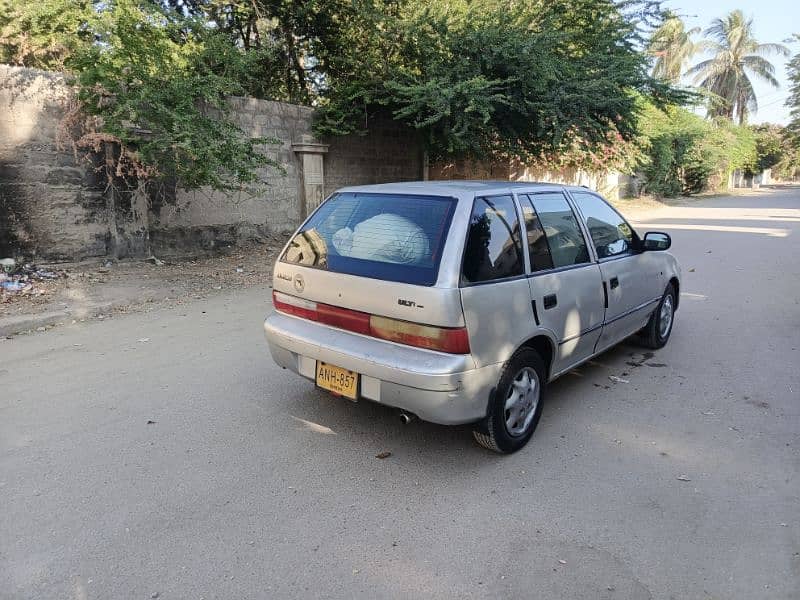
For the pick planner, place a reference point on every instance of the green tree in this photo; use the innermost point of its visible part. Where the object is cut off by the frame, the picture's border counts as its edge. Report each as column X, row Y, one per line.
column 686, row 154
column 793, row 101
column 737, row 57
column 770, row 145
column 494, row 76
column 538, row 80
column 297, row 39
column 159, row 86
column 672, row 47
column 43, row 34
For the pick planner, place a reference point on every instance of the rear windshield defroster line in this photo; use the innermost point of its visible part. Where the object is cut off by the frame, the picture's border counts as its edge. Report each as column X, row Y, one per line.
column 392, row 237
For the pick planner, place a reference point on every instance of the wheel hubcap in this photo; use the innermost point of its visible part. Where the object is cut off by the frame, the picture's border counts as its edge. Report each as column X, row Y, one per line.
column 665, row 317
column 522, row 400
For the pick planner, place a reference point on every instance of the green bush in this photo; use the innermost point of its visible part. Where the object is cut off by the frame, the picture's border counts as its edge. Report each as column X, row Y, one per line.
column 686, row 154
column 153, row 84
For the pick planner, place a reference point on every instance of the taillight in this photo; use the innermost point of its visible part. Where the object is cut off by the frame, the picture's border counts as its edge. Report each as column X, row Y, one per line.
column 292, row 305
column 352, row 320
column 445, row 339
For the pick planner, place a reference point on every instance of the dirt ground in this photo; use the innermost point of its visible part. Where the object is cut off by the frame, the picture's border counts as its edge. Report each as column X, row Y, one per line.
column 101, row 288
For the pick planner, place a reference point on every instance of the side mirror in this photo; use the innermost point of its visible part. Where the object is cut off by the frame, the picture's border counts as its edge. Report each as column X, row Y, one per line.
column 656, row 240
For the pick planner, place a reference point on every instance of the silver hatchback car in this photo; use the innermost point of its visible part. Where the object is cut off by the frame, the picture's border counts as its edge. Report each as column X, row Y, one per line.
column 458, row 301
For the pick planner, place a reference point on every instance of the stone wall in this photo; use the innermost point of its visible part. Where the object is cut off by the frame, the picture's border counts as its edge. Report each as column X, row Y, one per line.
column 50, row 205
column 388, row 153
column 183, row 221
column 53, row 207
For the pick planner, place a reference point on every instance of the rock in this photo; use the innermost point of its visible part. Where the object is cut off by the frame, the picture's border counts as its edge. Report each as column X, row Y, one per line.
column 8, row 264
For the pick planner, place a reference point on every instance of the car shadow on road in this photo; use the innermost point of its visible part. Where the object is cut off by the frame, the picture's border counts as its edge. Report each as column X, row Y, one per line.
column 379, row 426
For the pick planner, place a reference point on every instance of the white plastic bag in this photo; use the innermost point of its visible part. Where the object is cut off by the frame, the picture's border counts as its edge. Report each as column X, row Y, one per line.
column 386, row 238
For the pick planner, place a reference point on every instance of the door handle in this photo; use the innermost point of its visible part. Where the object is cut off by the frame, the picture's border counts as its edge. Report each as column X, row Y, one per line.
column 614, row 283
column 549, row 301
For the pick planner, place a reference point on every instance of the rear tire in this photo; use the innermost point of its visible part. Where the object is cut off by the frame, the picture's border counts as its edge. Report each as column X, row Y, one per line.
column 516, row 407
column 656, row 333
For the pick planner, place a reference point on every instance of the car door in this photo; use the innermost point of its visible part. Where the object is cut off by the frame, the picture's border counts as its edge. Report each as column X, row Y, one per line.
column 565, row 284
column 494, row 289
column 630, row 277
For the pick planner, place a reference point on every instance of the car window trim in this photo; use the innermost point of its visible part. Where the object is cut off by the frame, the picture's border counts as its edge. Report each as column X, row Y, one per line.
column 582, row 265
column 526, row 261
column 627, row 254
column 631, row 251
column 467, row 284
column 521, row 210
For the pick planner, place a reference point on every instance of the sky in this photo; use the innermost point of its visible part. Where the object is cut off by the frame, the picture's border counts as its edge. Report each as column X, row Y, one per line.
column 773, row 21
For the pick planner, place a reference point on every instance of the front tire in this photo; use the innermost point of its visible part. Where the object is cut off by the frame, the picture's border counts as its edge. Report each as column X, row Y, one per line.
column 516, row 407
column 656, row 333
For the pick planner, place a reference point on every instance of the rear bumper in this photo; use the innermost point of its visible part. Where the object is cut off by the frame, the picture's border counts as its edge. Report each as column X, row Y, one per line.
column 438, row 387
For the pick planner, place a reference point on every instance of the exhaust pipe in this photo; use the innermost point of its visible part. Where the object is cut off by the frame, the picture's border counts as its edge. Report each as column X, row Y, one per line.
column 407, row 417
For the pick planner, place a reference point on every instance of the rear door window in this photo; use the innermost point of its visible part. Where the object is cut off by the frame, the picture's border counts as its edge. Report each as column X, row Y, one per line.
column 394, row 237
column 564, row 237
column 494, row 246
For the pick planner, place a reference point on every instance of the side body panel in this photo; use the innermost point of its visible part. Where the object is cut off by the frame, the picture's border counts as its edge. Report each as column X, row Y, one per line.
column 499, row 318
column 577, row 317
column 634, row 286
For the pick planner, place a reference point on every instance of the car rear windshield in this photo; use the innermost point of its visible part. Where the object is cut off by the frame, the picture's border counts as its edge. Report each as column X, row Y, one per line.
column 383, row 236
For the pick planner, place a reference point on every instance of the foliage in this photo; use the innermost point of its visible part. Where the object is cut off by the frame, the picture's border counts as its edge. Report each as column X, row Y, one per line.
column 793, row 101
column 156, row 83
column 492, row 77
column 560, row 83
column 788, row 167
column 297, row 39
column 770, row 145
column 43, row 34
column 672, row 46
column 726, row 75
column 687, row 154
column 474, row 77
column 668, row 138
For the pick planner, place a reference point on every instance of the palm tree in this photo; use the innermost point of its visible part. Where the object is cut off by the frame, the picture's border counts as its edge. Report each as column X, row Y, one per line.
column 672, row 46
column 737, row 55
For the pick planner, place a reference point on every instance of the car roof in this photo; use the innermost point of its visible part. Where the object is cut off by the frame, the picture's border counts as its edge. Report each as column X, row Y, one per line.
column 455, row 187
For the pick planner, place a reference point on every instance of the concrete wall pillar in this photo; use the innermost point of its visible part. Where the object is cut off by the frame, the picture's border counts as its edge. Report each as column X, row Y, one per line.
column 312, row 172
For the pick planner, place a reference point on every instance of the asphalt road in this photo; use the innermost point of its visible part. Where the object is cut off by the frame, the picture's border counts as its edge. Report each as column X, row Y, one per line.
column 187, row 466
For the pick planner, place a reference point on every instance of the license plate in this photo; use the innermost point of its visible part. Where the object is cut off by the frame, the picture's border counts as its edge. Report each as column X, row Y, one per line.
column 337, row 380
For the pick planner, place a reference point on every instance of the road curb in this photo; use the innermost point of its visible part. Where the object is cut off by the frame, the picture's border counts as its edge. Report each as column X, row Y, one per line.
column 14, row 325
